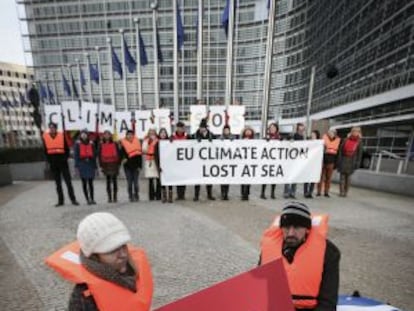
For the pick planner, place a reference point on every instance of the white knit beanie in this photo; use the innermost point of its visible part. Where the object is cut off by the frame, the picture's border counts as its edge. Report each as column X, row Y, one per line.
column 100, row 233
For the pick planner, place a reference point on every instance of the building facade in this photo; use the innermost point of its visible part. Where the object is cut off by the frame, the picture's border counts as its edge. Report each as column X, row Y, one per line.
column 16, row 123
column 368, row 42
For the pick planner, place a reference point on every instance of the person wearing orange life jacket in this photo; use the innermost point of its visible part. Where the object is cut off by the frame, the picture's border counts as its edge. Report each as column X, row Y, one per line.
column 131, row 153
column 57, row 154
column 85, row 162
column 151, row 170
column 109, row 273
column 109, row 161
column 310, row 260
column 331, row 143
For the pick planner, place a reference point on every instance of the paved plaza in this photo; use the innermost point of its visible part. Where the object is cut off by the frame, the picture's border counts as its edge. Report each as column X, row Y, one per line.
column 194, row 245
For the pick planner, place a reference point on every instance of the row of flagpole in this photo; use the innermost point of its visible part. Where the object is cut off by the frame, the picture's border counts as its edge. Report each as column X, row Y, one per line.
column 131, row 65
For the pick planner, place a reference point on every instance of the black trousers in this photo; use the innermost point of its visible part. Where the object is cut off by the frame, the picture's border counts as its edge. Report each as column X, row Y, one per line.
column 245, row 191
column 181, row 192
column 111, row 185
column 87, row 187
column 224, row 190
column 197, row 190
column 154, row 189
column 58, row 173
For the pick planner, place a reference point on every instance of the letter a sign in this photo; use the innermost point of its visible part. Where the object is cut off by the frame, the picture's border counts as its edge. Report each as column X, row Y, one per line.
column 262, row 289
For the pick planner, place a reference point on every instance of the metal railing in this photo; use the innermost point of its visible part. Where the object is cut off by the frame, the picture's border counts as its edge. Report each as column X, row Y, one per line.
column 376, row 165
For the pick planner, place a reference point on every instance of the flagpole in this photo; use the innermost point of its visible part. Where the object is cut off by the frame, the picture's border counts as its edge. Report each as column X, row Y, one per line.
column 229, row 60
column 55, row 88
column 62, row 73
column 80, row 80
column 98, row 58
column 111, row 72
column 175, row 57
column 309, row 103
column 154, row 6
column 139, row 74
column 268, row 66
column 88, row 64
column 200, row 51
column 47, row 90
column 124, row 71
column 56, row 94
column 72, row 94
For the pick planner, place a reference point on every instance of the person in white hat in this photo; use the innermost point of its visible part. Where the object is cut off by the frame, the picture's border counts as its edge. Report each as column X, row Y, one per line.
column 109, row 273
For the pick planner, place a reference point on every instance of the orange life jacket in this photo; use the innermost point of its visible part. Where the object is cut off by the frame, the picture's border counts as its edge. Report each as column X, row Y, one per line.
column 305, row 272
column 331, row 146
column 107, row 295
column 85, row 150
column 54, row 145
column 150, row 154
column 109, row 153
column 133, row 148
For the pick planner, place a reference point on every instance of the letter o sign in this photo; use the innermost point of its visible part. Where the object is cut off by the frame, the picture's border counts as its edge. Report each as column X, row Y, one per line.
column 217, row 120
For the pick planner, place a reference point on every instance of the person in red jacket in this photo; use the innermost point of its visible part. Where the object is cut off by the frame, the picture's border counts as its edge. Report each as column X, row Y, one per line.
column 180, row 134
column 272, row 134
column 109, row 161
column 85, row 162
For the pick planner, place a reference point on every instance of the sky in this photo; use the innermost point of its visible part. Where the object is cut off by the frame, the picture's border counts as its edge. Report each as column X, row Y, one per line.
column 11, row 46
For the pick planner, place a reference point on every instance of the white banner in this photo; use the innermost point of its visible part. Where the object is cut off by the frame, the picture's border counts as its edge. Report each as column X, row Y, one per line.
column 88, row 114
column 217, row 119
column 72, row 115
column 198, row 112
column 106, row 118
column 236, row 119
column 187, row 162
column 143, row 123
column 123, row 123
column 162, row 119
column 53, row 113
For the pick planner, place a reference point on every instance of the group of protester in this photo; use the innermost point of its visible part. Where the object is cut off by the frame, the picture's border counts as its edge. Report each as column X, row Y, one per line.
column 344, row 155
column 111, row 274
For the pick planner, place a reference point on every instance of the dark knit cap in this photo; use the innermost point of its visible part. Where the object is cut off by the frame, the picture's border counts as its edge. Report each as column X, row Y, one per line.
column 296, row 214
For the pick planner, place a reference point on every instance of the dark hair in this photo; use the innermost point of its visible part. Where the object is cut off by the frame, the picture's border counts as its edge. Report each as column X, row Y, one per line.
column 245, row 130
column 317, row 134
column 163, row 129
column 180, row 124
column 226, row 127
column 52, row 124
column 299, row 125
column 129, row 132
column 273, row 124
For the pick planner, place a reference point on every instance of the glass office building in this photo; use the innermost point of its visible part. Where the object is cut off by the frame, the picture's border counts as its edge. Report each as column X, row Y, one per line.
column 370, row 43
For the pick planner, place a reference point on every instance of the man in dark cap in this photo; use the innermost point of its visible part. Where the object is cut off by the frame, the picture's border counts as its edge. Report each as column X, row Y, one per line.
column 202, row 134
column 310, row 260
column 57, row 154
